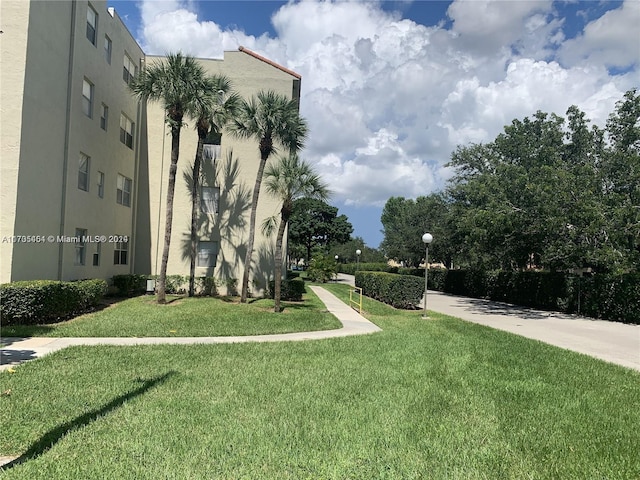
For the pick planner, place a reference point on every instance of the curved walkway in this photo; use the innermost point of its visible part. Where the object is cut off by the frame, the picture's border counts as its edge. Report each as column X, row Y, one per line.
column 610, row 341
column 18, row 350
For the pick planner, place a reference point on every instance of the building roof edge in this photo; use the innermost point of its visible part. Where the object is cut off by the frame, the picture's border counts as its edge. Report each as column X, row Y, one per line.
column 270, row 62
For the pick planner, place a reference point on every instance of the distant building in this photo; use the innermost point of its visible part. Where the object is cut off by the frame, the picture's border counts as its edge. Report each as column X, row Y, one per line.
column 84, row 165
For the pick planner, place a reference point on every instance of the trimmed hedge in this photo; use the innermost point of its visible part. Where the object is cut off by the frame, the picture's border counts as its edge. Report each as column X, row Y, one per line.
column 352, row 268
column 47, row 301
column 436, row 278
column 609, row 297
column 400, row 291
column 291, row 290
column 130, row 285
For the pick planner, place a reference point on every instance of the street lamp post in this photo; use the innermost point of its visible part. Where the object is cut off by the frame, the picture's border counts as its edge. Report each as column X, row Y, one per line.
column 336, row 257
column 427, row 238
column 358, row 252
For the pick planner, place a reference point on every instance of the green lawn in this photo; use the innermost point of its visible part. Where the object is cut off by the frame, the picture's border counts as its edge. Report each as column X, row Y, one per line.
column 188, row 317
column 441, row 399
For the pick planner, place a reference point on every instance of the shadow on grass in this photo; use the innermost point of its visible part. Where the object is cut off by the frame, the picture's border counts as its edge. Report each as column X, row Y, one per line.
column 53, row 436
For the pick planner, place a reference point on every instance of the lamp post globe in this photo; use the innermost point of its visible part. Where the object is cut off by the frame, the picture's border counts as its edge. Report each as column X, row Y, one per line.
column 358, row 252
column 427, row 238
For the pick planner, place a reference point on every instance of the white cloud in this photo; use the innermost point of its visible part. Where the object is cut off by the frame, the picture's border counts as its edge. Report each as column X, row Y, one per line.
column 388, row 100
column 378, row 171
column 486, row 27
column 172, row 25
column 477, row 113
column 612, row 40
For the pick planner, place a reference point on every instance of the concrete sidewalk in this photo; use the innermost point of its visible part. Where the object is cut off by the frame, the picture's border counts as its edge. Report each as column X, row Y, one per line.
column 17, row 350
column 610, row 341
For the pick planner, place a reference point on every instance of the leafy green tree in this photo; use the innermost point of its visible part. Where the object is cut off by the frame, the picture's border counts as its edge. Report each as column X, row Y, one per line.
column 550, row 192
column 289, row 180
column 399, row 226
column 621, row 171
column 269, row 118
column 314, row 223
column 572, row 207
column 347, row 252
column 174, row 83
column 214, row 104
column 404, row 222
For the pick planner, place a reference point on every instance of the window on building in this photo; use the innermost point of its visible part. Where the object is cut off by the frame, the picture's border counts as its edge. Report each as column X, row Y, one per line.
column 107, row 49
column 104, row 117
column 81, row 248
column 210, row 153
column 120, row 253
column 129, row 70
column 101, row 184
column 123, row 192
column 92, row 24
column 126, row 130
column 87, row 97
column 207, row 254
column 96, row 255
column 83, row 172
column 209, row 200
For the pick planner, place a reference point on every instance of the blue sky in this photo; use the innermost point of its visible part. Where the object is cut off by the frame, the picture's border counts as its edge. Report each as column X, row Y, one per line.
column 390, row 89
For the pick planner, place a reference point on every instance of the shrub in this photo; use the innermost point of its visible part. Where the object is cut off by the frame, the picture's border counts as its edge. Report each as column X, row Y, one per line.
column 206, row 286
column 91, row 292
column 611, row 297
column 291, row 290
column 176, row 284
column 47, row 301
column 232, row 286
column 400, row 291
column 130, row 285
column 321, row 269
column 436, row 278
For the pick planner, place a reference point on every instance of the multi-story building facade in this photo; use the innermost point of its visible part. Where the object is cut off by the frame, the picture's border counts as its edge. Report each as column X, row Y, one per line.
column 84, row 166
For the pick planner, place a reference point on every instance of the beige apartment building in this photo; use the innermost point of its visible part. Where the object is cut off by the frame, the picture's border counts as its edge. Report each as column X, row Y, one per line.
column 84, row 165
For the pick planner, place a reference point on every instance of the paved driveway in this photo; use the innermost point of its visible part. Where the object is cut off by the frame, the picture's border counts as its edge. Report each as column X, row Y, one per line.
column 610, row 341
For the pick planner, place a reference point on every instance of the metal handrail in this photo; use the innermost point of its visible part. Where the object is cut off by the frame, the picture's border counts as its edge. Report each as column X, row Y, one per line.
column 353, row 303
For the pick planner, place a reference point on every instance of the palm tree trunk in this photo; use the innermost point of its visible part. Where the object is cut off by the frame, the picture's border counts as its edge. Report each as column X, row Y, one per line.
column 278, row 260
column 252, row 230
column 194, row 214
column 173, row 168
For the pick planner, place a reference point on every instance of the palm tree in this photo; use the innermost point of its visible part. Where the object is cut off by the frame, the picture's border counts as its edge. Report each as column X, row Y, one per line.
column 289, row 180
column 172, row 82
column 213, row 106
column 268, row 117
